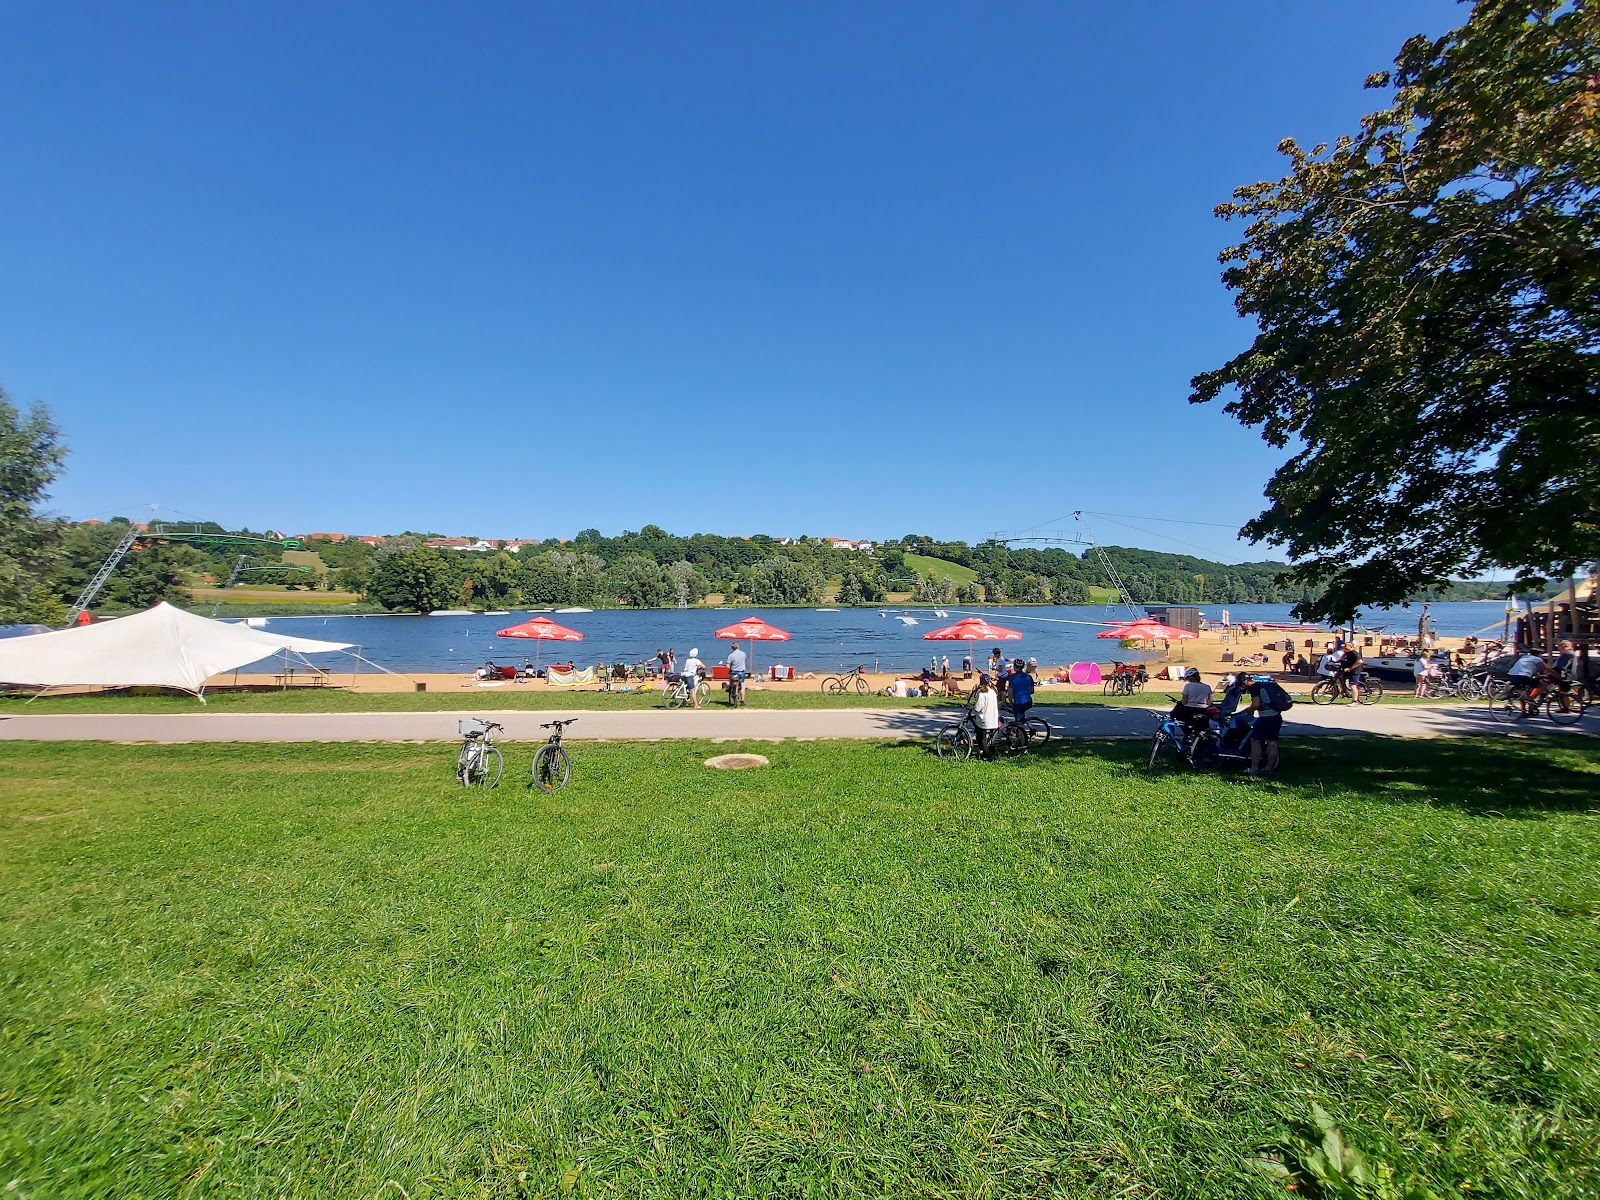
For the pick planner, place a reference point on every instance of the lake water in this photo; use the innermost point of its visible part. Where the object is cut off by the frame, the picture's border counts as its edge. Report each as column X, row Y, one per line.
column 822, row 641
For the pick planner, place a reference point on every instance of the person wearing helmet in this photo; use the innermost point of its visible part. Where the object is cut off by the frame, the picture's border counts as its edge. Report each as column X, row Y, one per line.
column 1021, row 686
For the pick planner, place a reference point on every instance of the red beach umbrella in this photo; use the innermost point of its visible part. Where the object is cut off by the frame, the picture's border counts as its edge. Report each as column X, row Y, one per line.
column 1146, row 627
column 542, row 629
column 754, row 629
column 970, row 630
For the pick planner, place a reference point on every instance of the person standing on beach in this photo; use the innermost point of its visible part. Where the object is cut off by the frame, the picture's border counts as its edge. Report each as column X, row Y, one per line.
column 944, row 667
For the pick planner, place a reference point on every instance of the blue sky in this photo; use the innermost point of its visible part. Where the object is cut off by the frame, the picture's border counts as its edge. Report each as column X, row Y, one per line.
column 515, row 269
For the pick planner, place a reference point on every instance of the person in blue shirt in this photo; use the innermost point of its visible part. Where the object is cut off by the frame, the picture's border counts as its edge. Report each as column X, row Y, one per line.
column 1020, row 683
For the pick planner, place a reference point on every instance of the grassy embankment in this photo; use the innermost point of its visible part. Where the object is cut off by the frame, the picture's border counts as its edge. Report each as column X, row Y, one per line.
column 312, row 971
column 958, row 574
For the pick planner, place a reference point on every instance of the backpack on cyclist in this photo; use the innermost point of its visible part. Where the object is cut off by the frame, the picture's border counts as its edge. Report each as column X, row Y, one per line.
column 1276, row 698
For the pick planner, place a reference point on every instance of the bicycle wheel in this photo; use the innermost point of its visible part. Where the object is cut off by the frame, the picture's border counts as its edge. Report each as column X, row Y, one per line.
column 1038, row 730
column 861, row 682
column 702, row 691
column 1323, row 693
column 551, row 768
column 1506, row 707
column 673, row 696
column 486, row 769
column 832, row 685
column 1371, row 691
column 953, row 743
column 1564, row 707
column 1107, row 688
column 1158, row 741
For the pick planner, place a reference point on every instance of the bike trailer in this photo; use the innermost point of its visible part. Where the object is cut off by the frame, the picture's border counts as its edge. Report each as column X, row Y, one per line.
column 472, row 727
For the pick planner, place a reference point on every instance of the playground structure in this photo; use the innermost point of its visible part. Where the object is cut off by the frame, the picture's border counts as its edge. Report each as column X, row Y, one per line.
column 194, row 535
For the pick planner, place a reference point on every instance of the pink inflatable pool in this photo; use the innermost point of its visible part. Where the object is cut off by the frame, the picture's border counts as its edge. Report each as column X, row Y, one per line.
column 1084, row 672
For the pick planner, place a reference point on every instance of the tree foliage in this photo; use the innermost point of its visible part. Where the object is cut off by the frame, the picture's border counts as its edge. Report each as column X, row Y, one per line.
column 1428, row 299
column 30, row 541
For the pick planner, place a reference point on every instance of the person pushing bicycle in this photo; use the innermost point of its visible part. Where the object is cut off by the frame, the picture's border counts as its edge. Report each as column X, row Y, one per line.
column 737, row 665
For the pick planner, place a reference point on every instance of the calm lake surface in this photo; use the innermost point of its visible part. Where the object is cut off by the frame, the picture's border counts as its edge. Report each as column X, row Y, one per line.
column 822, row 641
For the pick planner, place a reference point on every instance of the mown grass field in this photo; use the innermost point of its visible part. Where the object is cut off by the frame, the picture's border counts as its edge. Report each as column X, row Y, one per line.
column 327, row 971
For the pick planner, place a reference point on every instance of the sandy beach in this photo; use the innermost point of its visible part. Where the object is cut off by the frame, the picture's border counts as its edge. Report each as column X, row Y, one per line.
column 1215, row 653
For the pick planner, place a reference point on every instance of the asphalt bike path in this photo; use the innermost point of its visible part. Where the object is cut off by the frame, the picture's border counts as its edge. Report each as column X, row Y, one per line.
column 717, row 723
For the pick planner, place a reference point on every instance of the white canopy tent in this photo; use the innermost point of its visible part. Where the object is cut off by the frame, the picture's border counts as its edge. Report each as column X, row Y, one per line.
column 161, row 647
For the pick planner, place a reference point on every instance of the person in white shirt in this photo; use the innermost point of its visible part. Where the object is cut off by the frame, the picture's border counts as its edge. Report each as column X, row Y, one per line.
column 1328, row 664
column 1527, row 673
column 692, row 666
column 985, row 707
column 1195, row 702
column 1421, row 670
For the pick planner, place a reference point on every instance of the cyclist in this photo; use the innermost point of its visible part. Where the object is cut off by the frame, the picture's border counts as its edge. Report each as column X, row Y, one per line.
column 1268, row 701
column 985, row 709
column 1526, row 675
column 736, row 663
column 692, row 666
column 1193, row 708
column 1022, row 682
column 1347, row 678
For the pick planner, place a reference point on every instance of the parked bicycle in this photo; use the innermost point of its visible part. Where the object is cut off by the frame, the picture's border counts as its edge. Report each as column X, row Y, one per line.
column 552, row 768
column 1329, row 690
column 959, row 742
column 683, row 689
column 480, row 763
column 1125, row 679
column 837, row 685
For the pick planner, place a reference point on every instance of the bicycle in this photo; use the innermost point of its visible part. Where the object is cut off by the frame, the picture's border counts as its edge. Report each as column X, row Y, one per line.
column 958, row 742
column 480, row 763
column 552, row 769
column 1125, row 679
column 1514, row 700
column 1038, row 728
column 1330, row 690
column 735, row 688
column 837, row 685
column 682, row 691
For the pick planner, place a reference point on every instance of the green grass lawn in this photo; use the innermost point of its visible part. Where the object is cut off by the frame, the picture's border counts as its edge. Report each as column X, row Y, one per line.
column 955, row 572
column 327, row 971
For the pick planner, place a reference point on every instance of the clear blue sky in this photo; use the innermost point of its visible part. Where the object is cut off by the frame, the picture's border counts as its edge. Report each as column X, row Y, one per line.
column 510, row 269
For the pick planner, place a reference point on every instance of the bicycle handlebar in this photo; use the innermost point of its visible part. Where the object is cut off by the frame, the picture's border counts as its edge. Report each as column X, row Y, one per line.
column 559, row 724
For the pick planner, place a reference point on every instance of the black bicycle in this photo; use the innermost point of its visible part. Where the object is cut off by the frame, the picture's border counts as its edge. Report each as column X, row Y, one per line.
column 837, row 685
column 552, row 769
column 735, row 688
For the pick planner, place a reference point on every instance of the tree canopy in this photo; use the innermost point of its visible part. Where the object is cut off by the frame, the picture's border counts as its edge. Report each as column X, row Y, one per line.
column 1427, row 294
column 30, row 541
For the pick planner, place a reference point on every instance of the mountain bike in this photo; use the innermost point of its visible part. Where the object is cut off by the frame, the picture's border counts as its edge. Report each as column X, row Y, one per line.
column 959, row 742
column 683, row 690
column 1038, row 728
column 1330, row 690
column 480, row 763
column 836, row 685
column 551, row 766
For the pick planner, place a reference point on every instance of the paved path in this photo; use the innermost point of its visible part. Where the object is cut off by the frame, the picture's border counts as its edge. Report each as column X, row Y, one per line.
column 1410, row 721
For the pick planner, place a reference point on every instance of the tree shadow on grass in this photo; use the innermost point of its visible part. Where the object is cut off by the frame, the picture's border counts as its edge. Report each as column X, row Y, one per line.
column 1498, row 777
column 1488, row 778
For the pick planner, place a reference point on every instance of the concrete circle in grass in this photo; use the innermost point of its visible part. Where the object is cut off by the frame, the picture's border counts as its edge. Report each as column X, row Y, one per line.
column 736, row 762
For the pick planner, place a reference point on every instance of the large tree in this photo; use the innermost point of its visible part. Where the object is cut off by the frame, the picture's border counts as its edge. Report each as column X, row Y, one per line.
column 1428, row 299
column 30, row 540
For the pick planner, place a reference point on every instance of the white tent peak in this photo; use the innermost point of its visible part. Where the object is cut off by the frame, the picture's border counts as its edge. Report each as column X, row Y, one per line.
column 160, row 647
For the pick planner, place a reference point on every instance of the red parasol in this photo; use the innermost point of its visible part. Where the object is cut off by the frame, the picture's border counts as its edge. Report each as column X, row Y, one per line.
column 754, row 629
column 1146, row 627
column 970, row 630
column 543, row 629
